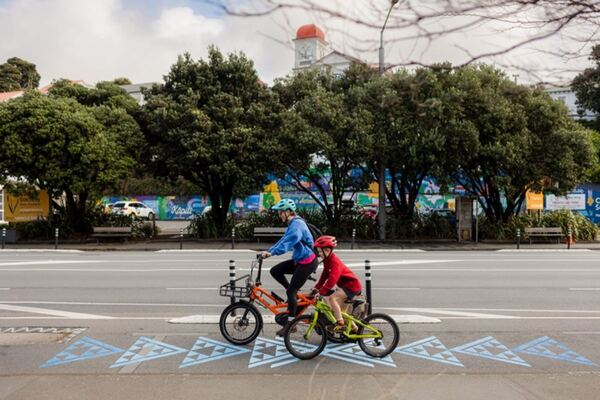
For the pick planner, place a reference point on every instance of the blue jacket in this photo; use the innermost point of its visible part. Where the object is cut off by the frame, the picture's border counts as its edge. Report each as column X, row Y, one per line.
column 296, row 233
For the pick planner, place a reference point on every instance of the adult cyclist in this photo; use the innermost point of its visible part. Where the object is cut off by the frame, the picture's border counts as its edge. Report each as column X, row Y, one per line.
column 298, row 239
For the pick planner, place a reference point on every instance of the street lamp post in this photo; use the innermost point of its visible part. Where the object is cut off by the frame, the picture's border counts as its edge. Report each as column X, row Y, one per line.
column 381, row 213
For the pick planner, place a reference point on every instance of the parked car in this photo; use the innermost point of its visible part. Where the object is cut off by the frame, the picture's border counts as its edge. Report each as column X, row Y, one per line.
column 132, row 208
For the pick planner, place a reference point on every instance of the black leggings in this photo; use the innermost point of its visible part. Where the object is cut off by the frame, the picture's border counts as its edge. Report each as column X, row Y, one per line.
column 299, row 272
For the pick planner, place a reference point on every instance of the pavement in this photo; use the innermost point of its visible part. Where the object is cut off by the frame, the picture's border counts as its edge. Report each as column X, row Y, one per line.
column 97, row 325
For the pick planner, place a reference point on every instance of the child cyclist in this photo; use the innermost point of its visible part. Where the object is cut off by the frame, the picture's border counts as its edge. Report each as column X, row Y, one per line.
column 335, row 272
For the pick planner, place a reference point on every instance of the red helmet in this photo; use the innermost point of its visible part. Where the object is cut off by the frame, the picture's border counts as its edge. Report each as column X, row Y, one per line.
column 326, row 241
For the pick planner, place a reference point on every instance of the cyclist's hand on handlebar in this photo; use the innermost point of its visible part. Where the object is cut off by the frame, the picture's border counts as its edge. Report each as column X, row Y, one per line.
column 314, row 292
column 265, row 254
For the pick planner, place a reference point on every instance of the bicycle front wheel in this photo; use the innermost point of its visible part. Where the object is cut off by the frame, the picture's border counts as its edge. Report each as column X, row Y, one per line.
column 240, row 323
column 390, row 335
column 303, row 340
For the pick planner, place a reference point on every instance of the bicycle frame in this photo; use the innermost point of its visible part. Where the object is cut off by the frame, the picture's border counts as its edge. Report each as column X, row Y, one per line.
column 322, row 308
column 268, row 301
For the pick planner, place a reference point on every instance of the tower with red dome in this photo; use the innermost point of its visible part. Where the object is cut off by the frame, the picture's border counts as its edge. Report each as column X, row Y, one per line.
column 309, row 46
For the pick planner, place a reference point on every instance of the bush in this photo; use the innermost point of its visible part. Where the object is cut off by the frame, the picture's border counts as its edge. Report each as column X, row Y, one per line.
column 582, row 228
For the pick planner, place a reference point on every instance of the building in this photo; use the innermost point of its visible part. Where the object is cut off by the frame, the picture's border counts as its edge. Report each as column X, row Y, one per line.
column 311, row 50
column 567, row 96
column 135, row 90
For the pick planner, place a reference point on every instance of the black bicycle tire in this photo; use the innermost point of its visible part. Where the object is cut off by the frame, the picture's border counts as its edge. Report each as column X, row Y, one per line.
column 396, row 330
column 251, row 309
column 292, row 350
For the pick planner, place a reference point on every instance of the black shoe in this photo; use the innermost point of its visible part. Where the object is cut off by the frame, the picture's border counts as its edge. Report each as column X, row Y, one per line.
column 281, row 332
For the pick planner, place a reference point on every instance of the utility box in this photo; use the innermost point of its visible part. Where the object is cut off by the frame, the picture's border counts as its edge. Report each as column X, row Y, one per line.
column 464, row 219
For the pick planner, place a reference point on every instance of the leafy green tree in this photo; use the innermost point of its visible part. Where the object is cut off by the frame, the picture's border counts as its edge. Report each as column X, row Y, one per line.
column 418, row 129
column 587, row 84
column 326, row 135
column 525, row 141
column 215, row 124
column 18, row 74
column 57, row 144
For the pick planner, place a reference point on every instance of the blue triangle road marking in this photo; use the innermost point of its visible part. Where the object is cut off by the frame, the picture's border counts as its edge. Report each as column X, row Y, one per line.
column 550, row 348
column 145, row 349
column 268, row 351
column 83, row 349
column 490, row 348
column 207, row 350
column 431, row 349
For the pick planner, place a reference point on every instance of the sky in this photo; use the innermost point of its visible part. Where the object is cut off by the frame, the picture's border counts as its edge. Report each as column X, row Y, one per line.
column 95, row 40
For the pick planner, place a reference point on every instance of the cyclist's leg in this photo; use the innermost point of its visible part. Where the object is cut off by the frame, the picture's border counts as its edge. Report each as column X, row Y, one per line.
column 279, row 271
column 337, row 303
column 301, row 274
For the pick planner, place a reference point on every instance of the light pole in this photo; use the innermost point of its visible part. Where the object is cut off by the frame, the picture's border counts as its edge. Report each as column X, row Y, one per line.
column 381, row 212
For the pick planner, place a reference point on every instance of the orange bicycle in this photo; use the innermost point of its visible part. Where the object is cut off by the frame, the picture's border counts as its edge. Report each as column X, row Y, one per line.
column 241, row 322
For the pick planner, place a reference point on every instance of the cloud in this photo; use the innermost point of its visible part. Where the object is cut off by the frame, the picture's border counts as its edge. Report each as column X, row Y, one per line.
column 103, row 39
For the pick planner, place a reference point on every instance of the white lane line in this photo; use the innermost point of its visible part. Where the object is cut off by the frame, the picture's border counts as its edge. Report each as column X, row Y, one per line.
column 57, row 313
column 403, row 262
column 207, row 251
column 270, row 319
column 585, row 289
column 4, row 288
column 215, row 288
column 83, row 303
column 39, row 251
column 542, row 250
column 51, row 262
column 522, row 310
column 452, row 313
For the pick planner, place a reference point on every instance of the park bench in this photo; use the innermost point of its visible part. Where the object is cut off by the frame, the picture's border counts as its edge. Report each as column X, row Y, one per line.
column 544, row 232
column 111, row 232
column 270, row 232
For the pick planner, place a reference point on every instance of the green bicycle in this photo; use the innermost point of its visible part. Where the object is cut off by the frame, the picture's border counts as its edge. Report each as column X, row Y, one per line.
column 306, row 337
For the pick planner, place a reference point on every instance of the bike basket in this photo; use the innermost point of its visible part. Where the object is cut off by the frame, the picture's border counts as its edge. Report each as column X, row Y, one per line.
column 239, row 288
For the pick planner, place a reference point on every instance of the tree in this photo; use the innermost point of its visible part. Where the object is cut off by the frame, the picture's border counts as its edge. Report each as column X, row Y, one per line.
column 587, row 84
column 57, row 144
column 418, row 129
column 18, row 74
column 121, row 81
column 214, row 123
column 326, row 135
column 525, row 141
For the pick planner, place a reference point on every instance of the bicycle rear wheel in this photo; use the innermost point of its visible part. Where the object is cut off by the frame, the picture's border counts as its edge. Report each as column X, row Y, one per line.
column 390, row 335
column 300, row 343
column 240, row 323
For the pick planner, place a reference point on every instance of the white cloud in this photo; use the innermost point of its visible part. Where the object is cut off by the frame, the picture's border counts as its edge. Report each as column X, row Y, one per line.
column 103, row 39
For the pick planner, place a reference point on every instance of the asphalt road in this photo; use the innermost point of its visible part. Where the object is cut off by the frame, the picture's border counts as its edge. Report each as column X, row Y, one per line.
column 511, row 325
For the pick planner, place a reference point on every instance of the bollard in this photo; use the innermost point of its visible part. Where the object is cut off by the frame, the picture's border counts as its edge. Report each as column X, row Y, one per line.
column 232, row 238
column 353, row 238
column 368, row 285
column 518, row 239
column 570, row 238
column 55, row 238
column 232, row 279
column 3, row 237
column 181, row 239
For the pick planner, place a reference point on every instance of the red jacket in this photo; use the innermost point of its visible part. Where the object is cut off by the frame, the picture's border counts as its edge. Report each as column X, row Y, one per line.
column 336, row 272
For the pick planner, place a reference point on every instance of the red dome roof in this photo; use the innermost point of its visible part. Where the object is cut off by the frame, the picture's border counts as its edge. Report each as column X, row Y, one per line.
column 310, row 31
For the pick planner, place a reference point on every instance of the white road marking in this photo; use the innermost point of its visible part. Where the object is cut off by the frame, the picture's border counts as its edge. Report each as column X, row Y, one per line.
column 542, row 250
column 45, row 311
column 4, row 288
column 207, row 251
column 82, row 303
column 584, row 289
column 453, row 313
column 521, row 310
column 403, row 262
column 191, row 288
column 39, row 251
column 270, row 319
column 51, row 262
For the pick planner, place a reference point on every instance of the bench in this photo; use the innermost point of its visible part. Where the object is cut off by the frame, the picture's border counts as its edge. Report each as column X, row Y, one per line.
column 544, row 232
column 111, row 232
column 268, row 232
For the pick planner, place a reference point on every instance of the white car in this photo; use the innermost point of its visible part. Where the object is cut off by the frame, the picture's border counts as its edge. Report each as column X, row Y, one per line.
column 133, row 208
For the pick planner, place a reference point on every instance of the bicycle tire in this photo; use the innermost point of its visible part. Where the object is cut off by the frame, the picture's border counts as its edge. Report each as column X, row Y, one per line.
column 389, row 348
column 302, row 350
column 240, row 323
